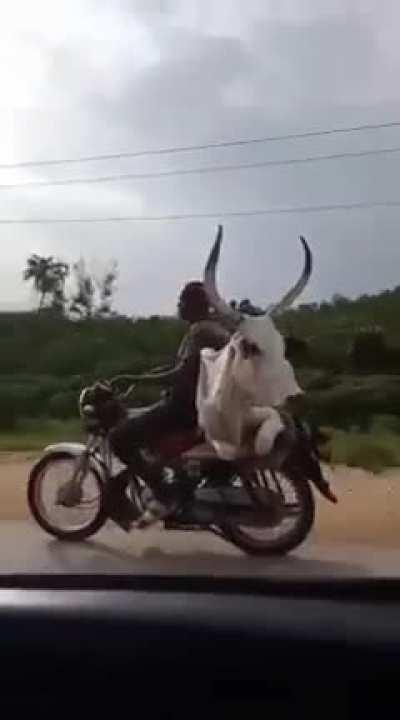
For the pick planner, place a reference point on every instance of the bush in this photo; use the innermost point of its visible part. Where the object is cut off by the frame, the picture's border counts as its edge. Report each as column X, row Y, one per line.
column 63, row 405
column 354, row 401
column 371, row 452
column 16, row 400
column 385, row 423
column 69, row 355
column 8, row 411
column 370, row 455
column 296, row 349
column 367, row 348
column 75, row 383
column 324, row 381
column 34, row 435
column 29, row 395
column 328, row 353
column 370, row 354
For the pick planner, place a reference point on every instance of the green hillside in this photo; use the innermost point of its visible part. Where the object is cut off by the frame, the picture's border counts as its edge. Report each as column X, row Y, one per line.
column 346, row 354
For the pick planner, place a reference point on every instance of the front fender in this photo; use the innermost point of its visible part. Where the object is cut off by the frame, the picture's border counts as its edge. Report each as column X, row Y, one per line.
column 74, row 449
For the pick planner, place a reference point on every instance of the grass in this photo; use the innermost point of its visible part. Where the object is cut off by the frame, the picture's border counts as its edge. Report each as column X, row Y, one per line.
column 32, row 435
column 371, row 451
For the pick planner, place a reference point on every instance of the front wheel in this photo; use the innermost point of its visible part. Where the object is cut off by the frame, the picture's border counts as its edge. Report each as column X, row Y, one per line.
column 294, row 514
column 65, row 520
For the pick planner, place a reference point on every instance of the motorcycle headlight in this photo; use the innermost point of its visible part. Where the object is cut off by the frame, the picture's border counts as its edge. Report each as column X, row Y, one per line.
column 84, row 404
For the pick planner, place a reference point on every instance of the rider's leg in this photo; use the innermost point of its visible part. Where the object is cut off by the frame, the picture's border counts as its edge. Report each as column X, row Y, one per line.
column 127, row 439
column 131, row 434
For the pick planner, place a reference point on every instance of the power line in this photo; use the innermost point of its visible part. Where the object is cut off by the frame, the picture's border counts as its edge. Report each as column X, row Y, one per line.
column 203, row 146
column 362, row 205
column 199, row 170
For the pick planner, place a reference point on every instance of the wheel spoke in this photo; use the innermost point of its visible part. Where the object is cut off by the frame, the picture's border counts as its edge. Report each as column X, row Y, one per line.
column 279, row 491
column 292, row 509
column 69, row 516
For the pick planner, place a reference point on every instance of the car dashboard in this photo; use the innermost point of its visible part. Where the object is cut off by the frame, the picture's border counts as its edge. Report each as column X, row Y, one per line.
column 190, row 647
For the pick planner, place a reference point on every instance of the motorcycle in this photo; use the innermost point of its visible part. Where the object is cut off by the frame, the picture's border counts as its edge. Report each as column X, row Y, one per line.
column 260, row 505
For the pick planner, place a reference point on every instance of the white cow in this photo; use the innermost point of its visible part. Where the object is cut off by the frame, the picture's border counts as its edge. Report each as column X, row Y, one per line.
column 241, row 386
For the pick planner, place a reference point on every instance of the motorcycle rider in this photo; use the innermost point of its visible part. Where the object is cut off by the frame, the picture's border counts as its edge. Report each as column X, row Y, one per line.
column 176, row 408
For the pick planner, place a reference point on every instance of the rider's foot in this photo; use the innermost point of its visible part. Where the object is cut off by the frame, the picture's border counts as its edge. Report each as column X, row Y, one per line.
column 155, row 511
column 119, row 507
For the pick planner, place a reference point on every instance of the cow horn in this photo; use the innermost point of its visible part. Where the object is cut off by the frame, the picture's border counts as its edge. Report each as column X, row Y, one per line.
column 298, row 288
column 210, row 283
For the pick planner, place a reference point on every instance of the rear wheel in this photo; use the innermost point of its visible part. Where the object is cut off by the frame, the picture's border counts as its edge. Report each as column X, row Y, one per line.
column 292, row 516
column 74, row 520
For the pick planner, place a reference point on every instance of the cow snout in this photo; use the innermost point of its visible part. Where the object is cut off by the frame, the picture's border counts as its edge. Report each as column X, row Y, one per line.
column 249, row 349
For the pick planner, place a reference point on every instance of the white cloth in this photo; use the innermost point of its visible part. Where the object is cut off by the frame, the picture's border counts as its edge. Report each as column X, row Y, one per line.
column 236, row 393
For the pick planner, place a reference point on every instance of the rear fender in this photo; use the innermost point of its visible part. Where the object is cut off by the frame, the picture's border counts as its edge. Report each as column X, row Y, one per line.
column 307, row 463
column 323, row 486
column 306, row 458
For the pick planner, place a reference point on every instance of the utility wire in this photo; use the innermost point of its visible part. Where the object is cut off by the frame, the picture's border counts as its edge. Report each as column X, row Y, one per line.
column 199, row 170
column 302, row 209
column 203, row 146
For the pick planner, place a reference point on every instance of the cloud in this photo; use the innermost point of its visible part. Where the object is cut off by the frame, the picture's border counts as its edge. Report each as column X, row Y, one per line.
column 94, row 78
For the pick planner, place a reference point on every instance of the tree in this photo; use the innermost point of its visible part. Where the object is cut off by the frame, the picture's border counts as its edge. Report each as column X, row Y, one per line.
column 48, row 276
column 58, row 300
column 106, row 289
column 93, row 296
column 340, row 301
column 308, row 307
column 82, row 302
column 369, row 351
column 296, row 349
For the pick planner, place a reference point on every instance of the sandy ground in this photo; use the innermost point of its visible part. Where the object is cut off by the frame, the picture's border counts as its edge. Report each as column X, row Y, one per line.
column 368, row 511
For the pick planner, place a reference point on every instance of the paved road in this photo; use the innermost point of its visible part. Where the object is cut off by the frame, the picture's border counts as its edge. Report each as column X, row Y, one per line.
column 25, row 548
column 359, row 536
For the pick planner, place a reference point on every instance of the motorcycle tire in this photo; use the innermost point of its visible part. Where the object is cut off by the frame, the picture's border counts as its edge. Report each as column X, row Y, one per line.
column 72, row 535
column 285, row 544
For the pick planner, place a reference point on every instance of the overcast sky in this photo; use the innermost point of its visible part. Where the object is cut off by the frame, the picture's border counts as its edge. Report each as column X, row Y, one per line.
column 81, row 77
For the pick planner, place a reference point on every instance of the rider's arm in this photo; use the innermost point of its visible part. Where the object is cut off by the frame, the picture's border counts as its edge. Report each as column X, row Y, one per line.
column 207, row 334
column 203, row 335
column 156, row 378
column 162, row 378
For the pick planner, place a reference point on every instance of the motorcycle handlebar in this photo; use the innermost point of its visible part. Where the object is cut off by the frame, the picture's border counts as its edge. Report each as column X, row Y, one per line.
column 125, row 395
column 132, row 379
column 115, row 382
column 118, row 379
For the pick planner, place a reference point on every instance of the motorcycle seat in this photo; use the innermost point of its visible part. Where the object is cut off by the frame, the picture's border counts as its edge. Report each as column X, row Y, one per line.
column 204, row 451
column 134, row 412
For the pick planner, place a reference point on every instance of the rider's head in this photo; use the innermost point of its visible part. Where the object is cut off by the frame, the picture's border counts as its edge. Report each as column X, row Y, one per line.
column 193, row 303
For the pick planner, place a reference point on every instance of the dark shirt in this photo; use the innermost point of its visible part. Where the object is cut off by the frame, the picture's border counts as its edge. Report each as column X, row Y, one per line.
column 204, row 334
